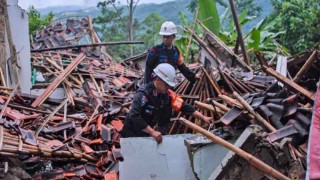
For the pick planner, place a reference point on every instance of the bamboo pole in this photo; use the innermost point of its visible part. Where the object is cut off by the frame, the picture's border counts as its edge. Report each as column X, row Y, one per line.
column 214, row 85
column 209, row 107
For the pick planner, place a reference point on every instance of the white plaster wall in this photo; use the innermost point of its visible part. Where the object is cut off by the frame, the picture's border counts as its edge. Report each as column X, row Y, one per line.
column 18, row 19
column 19, row 23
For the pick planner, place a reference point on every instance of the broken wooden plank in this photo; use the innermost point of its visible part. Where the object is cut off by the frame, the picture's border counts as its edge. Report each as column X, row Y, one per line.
column 58, row 80
column 61, row 69
column 290, row 83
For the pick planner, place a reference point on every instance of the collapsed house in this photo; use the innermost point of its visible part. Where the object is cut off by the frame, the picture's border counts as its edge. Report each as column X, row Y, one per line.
column 68, row 126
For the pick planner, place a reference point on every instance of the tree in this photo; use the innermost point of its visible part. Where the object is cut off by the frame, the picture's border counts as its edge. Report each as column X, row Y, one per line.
column 300, row 21
column 150, row 27
column 35, row 20
column 112, row 25
column 129, row 20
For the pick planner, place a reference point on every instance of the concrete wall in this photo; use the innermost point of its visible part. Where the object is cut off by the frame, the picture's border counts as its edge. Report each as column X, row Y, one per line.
column 18, row 19
column 19, row 23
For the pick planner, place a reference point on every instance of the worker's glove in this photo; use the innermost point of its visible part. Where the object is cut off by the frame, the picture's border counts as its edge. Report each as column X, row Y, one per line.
column 157, row 136
column 176, row 101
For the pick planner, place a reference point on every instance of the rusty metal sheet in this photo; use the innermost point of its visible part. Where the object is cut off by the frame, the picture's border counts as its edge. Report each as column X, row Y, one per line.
column 231, row 115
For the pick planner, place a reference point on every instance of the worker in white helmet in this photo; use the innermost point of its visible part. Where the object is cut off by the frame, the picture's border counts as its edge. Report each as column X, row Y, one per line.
column 166, row 52
column 153, row 104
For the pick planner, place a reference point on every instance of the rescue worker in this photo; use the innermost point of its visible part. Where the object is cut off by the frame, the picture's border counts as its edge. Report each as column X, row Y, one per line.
column 167, row 53
column 153, row 104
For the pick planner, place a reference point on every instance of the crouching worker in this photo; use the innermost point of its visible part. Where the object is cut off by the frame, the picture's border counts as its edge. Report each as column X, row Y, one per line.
column 153, row 104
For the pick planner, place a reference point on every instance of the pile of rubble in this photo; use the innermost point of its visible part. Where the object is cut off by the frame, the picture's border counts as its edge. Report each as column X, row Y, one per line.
column 78, row 136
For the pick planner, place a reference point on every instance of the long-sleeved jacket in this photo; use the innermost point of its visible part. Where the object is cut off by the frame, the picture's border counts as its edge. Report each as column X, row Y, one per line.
column 149, row 108
column 161, row 54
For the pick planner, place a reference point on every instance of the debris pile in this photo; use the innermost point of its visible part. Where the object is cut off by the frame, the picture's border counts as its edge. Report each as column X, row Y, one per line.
column 78, row 136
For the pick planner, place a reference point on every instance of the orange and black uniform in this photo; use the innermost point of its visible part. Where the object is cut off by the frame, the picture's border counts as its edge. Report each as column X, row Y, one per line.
column 150, row 108
column 161, row 54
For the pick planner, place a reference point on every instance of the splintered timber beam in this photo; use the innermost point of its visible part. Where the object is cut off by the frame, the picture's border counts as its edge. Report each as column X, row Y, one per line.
column 290, row 83
column 58, row 80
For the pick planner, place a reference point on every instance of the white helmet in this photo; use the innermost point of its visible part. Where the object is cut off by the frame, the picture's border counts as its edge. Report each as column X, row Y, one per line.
column 166, row 72
column 168, row 28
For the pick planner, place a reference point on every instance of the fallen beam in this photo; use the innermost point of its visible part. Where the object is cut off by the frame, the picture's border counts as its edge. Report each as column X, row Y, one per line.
column 58, row 80
column 290, row 83
column 88, row 45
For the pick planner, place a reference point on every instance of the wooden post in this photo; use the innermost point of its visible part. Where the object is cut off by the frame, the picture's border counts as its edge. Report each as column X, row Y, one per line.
column 3, row 55
column 240, row 39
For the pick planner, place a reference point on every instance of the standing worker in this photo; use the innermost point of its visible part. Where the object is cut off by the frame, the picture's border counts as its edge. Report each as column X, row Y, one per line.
column 153, row 104
column 167, row 53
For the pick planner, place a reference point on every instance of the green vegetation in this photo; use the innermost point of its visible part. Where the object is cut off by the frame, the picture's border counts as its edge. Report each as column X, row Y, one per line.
column 300, row 21
column 35, row 20
column 292, row 26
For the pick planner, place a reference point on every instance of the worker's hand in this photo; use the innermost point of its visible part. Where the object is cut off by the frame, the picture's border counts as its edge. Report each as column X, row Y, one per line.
column 208, row 120
column 157, row 136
